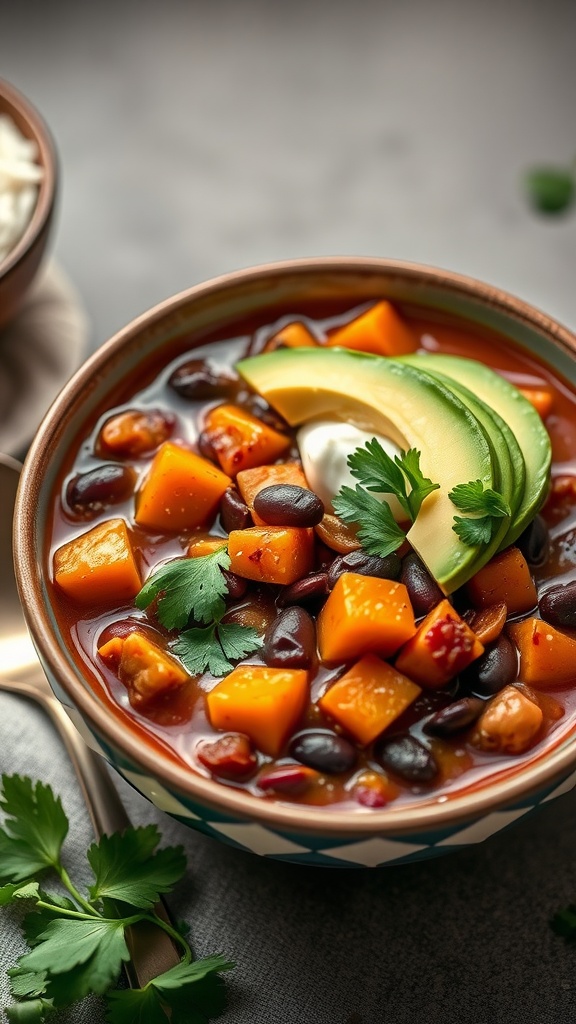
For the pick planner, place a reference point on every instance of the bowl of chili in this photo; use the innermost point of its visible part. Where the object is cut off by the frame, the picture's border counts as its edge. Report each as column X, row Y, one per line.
column 295, row 551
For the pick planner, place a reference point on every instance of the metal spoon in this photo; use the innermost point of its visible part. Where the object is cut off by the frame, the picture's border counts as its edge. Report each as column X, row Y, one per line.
column 151, row 949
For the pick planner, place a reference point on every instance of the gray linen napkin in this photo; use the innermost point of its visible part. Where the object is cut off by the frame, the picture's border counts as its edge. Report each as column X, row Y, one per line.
column 462, row 938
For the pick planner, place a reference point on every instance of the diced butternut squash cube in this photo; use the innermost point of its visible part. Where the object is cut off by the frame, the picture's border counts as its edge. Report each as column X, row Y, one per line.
column 251, row 481
column 510, row 723
column 99, row 565
column 505, row 578
column 368, row 698
column 271, row 554
column 540, row 397
column 380, row 330
column 547, row 656
column 265, row 704
column 205, row 544
column 242, row 441
column 182, row 490
column 294, row 335
column 364, row 614
column 145, row 669
column 441, row 648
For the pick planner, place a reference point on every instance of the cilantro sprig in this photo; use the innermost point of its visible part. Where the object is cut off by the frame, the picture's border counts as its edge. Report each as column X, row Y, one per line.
column 378, row 532
column 484, row 507
column 77, row 942
column 196, row 588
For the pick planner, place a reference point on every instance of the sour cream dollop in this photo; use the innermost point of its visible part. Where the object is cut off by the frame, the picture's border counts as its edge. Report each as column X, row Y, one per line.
column 324, row 449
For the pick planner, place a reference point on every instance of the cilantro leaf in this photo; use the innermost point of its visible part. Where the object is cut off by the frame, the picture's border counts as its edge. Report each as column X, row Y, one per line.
column 191, row 992
column 128, row 867
column 474, row 497
column 34, row 830
column 550, row 189
column 188, row 587
column 65, row 944
column 378, row 531
column 564, row 923
column 487, row 505
column 19, row 891
column 211, row 647
column 237, row 641
column 135, row 1006
column 78, row 947
column 33, row 1011
column 24, row 984
column 378, row 472
column 198, row 650
column 474, row 532
column 421, row 485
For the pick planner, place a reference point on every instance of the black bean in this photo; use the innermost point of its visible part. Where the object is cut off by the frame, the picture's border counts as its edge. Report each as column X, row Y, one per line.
column 205, row 446
column 455, row 717
column 200, row 379
column 365, row 565
column 288, row 505
column 423, row 591
column 534, row 543
column 290, row 641
column 558, row 605
column 493, row 670
column 307, row 589
column 100, row 487
column 234, row 512
column 406, row 757
column 259, row 408
column 237, row 585
column 324, row 751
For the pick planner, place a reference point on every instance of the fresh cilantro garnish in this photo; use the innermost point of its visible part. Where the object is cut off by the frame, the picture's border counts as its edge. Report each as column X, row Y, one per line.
column 77, row 943
column 376, row 471
column 564, row 923
column 188, row 587
column 193, row 993
column 551, row 189
column 485, row 507
column 378, row 531
column 214, row 647
column 196, row 588
column 128, row 867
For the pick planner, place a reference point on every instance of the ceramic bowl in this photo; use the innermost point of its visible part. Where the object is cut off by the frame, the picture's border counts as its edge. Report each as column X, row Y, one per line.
column 301, row 834
column 19, row 268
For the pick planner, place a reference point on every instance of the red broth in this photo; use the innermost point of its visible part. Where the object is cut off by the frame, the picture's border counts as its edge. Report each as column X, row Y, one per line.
column 177, row 721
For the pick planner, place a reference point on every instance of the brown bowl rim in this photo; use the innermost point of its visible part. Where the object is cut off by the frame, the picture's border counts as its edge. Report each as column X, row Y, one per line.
column 48, row 186
column 492, row 796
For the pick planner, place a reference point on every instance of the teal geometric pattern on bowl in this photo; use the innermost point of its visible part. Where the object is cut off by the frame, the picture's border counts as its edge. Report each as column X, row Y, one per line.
column 306, row 849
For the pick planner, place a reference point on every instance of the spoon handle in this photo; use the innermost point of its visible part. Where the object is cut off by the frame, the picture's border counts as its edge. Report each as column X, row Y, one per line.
column 151, row 949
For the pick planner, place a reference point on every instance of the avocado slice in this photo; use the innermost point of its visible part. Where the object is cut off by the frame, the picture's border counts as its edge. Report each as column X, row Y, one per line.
column 507, row 449
column 406, row 404
column 520, row 416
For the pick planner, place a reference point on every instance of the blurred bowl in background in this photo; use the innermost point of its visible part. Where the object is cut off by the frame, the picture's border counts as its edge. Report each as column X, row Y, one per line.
column 19, row 266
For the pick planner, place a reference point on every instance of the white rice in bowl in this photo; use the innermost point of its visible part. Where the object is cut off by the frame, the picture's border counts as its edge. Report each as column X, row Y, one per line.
column 20, row 176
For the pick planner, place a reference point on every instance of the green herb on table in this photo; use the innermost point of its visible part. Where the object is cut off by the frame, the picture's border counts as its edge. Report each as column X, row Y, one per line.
column 401, row 476
column 196, row 588
column 77, row 942
column 551, row 189
column 485, row 507
column 564, row 923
